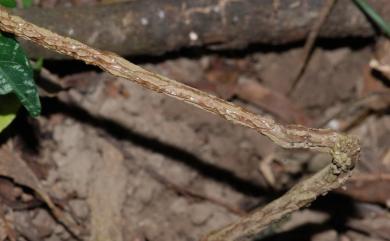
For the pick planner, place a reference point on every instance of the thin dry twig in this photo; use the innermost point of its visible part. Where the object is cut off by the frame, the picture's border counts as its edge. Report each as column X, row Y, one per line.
column 344, row 149
column 355, row 110
column 371, row 177
column 280, row 23
column 266, row 170
column 309, row 44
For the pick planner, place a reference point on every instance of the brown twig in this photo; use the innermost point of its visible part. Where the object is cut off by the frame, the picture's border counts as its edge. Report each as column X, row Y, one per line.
column 344, row 149
column 139, row 27
column 355, row 110
column 309, row 44
column 371, row 177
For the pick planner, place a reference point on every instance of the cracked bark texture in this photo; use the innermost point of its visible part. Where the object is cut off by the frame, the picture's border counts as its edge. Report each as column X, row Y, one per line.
column 152, row 27
column 343, row 148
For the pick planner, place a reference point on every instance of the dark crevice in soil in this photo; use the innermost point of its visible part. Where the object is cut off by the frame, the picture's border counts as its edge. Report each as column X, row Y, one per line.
column 198, row 52
column 26, row 131
column 340, row 207
column 68, row 67
column 381, row 77
column 175, row 153
column 301, row 233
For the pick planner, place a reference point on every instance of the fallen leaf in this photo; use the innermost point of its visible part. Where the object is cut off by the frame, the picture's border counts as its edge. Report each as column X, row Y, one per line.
column 15, row 168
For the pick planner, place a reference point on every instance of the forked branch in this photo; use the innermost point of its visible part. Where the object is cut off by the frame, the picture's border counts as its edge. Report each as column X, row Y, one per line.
column 344, row 149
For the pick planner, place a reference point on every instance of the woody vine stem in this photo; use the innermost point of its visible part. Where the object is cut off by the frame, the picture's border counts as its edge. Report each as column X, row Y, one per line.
column 343, row 148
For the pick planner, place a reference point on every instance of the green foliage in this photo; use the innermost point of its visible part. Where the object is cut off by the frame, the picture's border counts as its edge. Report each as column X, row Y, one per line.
column 375, row 17
column 13, row 4
column 9, row 106
column 27, row 3
column 16, row 75
column 37, row 66
column 8, row 3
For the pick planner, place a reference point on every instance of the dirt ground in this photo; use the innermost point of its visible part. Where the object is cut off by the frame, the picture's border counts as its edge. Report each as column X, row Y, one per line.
column 127, row 164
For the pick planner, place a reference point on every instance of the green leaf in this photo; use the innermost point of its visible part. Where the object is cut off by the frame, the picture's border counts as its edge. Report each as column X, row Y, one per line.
column 375, row 17
column 9, row 106
column 38, row 64
column 16, row 75
column 27, row 3
column 8, row 3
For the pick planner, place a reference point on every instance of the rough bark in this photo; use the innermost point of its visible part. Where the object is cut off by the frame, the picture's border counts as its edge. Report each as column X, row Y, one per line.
column 343, row 148
column 151, row 27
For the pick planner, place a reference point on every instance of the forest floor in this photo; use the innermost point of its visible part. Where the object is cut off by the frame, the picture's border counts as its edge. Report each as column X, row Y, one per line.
column 129, row 164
